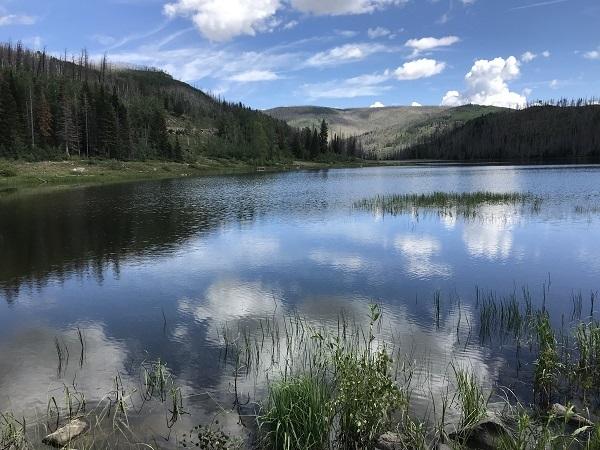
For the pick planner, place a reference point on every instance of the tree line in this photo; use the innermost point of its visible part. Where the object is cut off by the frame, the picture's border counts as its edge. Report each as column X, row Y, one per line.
column 536, row 133
column 62, row 106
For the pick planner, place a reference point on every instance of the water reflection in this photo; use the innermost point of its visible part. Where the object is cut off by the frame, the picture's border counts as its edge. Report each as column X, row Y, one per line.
column 158, row 269
column 31, row 371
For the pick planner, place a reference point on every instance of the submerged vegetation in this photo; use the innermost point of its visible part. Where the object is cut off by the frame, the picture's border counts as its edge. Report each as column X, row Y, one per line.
column 464, row 204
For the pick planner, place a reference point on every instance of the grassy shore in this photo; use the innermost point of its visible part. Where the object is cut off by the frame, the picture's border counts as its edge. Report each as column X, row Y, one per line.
column 20, row 176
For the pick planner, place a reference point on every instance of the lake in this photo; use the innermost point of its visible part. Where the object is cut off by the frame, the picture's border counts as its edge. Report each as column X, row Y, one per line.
column 156, row 270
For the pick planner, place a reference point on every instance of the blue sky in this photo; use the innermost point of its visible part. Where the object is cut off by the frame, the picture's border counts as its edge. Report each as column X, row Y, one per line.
column 341, row 53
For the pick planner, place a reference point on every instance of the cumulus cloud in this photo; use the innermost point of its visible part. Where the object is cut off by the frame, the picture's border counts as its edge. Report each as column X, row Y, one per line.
column 251, row 76
column 487, row 84
column 344, row 54
column 377, row 105
column 16, row 19
column 420, row 68
column 340, row 7
column 416, row 104
column 221, row 20
column 430, row 43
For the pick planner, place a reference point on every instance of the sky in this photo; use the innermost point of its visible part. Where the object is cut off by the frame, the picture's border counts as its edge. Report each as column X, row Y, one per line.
column 339, row 53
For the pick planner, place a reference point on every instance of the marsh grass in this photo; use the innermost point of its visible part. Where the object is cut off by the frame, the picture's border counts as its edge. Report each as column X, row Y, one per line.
column 297, row 414
column 466, row 204
column 471, row 400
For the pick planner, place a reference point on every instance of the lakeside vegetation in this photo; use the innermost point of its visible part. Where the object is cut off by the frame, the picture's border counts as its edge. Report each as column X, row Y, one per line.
column 464, row 204
column 349, row 387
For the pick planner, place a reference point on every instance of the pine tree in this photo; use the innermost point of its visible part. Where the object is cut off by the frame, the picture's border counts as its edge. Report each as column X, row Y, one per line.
column 324, row 137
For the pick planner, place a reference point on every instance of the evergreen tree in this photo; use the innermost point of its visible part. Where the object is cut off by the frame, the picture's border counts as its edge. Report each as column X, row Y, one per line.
column 324, row 137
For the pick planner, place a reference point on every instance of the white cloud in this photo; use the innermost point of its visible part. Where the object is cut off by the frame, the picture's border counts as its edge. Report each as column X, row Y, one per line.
column 344, row 54
column 16, row 19
column 430, row 43
column 221, row 20
column 340, row 7
column 528, row 56
column 361, row 86
column 254, row 75
column 377, row 105
column 592, row 54
column 378, row 32
column 487, row 85
column 554, row 84
column 416, row 104
column 420, row 68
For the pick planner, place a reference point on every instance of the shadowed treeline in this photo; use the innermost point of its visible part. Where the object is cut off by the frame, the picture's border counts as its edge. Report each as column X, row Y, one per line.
column 536, row 133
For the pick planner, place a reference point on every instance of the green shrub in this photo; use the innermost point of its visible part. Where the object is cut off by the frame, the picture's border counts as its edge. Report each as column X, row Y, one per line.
column 365, row 396
column 296, row 416
column 7, row 171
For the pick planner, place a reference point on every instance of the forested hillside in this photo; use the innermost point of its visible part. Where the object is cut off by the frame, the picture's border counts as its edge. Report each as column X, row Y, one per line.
column 562, row 131
column 54, row 108
column 383, row 132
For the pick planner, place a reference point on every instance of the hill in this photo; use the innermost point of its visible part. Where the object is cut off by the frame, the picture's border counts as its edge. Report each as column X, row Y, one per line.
column 382, row 131
column 535, row 133
column 52, row 108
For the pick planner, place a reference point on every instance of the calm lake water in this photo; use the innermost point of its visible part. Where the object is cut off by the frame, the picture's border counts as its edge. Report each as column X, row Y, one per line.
column 154, row 270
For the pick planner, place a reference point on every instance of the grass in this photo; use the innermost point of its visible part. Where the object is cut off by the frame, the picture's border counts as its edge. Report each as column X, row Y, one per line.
column 297, row 414
column 464, row 204
column 472, row 402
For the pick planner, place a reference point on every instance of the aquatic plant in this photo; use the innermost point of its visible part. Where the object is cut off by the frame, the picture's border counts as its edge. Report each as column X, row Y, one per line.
column 207, row 438
column 547, row 364
column 472, row 402
column 13, row 432
column 465, row 204
column 296, row 414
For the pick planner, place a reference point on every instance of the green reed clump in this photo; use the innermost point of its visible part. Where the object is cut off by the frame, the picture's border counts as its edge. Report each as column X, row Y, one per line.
column 472, row 402
column 297, row 414
column 588, row 346
column 445, row 203
column 156, row 380
column 547, row 365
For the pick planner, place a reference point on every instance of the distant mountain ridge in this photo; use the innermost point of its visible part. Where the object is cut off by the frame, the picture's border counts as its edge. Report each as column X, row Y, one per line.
column 383, row 131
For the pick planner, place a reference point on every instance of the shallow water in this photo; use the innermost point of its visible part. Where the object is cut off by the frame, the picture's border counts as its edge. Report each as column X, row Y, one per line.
column 154, row 270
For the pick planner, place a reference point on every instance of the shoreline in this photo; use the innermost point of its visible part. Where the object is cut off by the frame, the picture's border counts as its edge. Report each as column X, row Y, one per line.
column 19, row 177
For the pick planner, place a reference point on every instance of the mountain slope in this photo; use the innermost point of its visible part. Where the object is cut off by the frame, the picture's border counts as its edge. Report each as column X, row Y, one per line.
column 52, row 108
column 382, row 131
